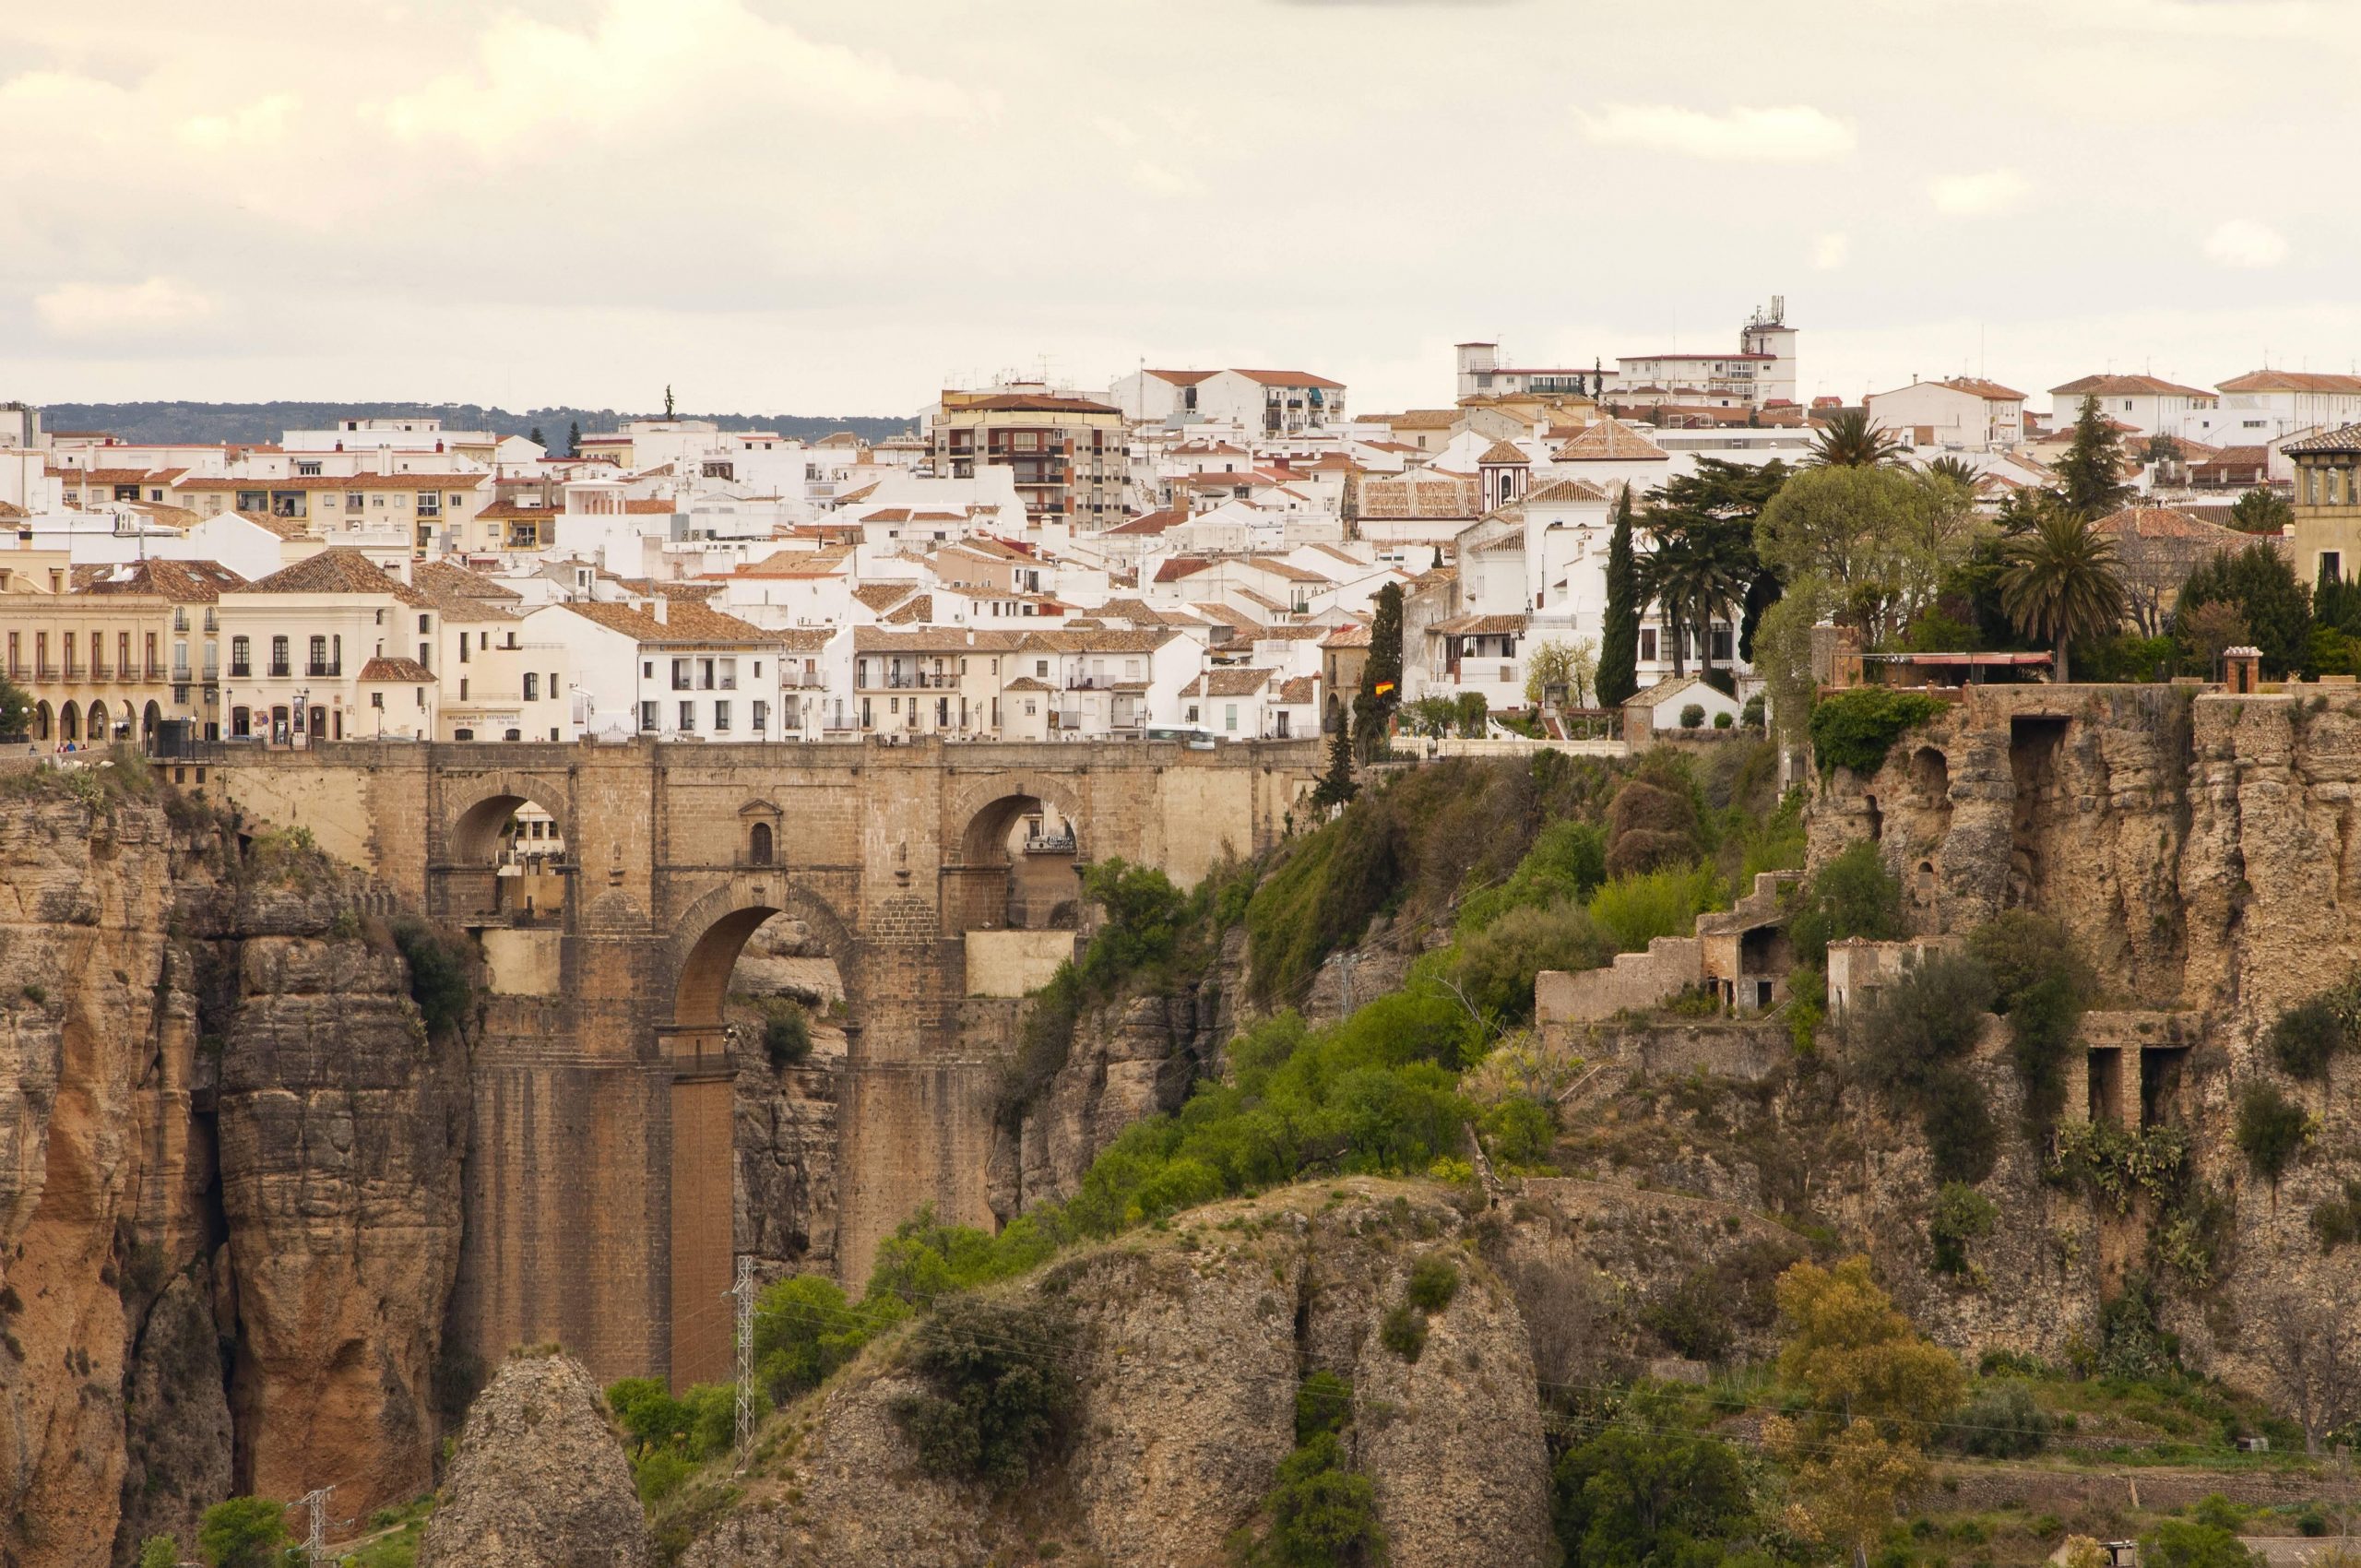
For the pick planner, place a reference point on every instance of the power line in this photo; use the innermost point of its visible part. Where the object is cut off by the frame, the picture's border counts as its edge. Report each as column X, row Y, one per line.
column 316, row 1543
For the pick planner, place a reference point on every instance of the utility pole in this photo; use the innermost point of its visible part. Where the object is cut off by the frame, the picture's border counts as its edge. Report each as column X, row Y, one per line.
column 1345, row 974
column 316, row 1543
column 744, row 1290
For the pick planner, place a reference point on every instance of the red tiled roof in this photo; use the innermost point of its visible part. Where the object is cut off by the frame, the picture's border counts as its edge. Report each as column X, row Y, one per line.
column 408, row 671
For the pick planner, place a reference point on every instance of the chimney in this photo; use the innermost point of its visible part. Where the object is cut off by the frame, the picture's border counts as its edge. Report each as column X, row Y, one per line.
column 661, row 608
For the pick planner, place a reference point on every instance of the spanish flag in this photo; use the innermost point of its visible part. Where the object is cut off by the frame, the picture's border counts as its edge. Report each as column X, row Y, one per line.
column 1384, row 687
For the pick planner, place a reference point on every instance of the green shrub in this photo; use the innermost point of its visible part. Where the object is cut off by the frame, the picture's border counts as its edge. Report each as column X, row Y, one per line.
column 1907, row 1042
column 657, row 1473
column 1434, row 1281
column 37, row 994
column 2107, row 1159
column 244, row 1532
column 999, row 1399
column 1322, row 1515
column 1635, row 909
column 1645, row 1494
column 1723, row 721
column 924, row 1260
column 2183, row 1543
column 2337, row 1221
column 441, row 973
column 1691, row 1316
column 1962, row 1214
column 1403, row 1330
column 2306, row 1036
column 1324, row 1403
column 2041, row 985
column 1521, row 1131
column 1751, row 714
column 1567, row 863
column 787, row 1034
column 1693, row 716
column 2273, row 1130
column 1495, row 967
column 2002, row 1422
column 804, row 1330
column 159, row 1552
column 2132, row 1343
column 1853, row 894
column 1855, row 728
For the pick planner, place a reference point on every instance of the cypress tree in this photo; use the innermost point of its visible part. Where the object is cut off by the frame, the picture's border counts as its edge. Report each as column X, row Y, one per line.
column 2089, row 474
column 1337, row 785
column 537, row 440
column 1618, row 645
column 1384, row 665
column 574, row 439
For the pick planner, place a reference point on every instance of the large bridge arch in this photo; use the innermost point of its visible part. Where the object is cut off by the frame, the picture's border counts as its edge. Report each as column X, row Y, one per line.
column 465, row 858
column 988, row 885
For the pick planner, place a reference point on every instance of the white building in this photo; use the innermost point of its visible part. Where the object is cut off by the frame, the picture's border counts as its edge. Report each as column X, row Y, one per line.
column 1964, row 412
column 1259, row 402
column 666, row 667
column 2262, row 405
column 2148, row 403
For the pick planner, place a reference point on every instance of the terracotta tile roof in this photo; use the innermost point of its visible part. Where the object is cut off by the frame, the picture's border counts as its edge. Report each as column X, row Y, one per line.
column 1228, row 684
column 1354, row 636
column 1424, row 419
column 1034, row 403
column 2348, row 439
column 2291, row 381
column 1991, row 391
column 2163, row 522
column 339, row 570
column 285, row 528
column 1027, row 684
column 882, row 596
column 685, row 621
column 1182, row 567
column 1286, row 570
column 797, row 563
column 1301, row 689
column 1068, row 640
column 1610, row 440
column 447, row 577
column 1481, row 626
column 179, row 582
column 1151, row 523
column 1564, row 489
column 1502, row 453
column 408, row 671
column 2125, row 387
column 1421, row 493
column 917, row 612
column 1289, row 378
column 806, row 639
column 932, row 639
column 1181, row 377
column 507, row 511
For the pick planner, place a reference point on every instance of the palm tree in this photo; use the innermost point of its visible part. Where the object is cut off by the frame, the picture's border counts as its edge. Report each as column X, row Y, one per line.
column 1693, row 573
column 1957, row 469
column 1849, row 441
column 2060, row 583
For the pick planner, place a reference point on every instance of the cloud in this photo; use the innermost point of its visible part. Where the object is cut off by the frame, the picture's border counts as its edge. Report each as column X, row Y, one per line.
column 2243, row 242
column 656, row 65
column 1795, row 132
column 122, row 310
column 1832, row 251
column 1979, row 195
column 258, row 124
column 1157, row 180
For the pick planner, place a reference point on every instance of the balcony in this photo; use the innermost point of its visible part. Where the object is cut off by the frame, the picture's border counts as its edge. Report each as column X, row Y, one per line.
column 897, row 683
column 240, row 671
column 155, row 670
column 317, row 669
column 795, row 680
column 279, row 670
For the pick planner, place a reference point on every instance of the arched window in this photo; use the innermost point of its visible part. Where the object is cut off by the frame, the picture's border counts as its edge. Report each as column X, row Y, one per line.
column 758, row 844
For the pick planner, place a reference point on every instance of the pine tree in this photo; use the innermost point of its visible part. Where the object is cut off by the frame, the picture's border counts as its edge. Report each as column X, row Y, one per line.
column 538, row 439
column 1337, row 785
column 1618, row 645
column 2090, row 479
column 574, row 439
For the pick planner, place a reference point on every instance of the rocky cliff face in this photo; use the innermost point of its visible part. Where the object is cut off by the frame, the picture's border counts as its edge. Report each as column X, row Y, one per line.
column 1189, row 1352
column 539, row 1480
column 228, row 1178
column 2204, row 851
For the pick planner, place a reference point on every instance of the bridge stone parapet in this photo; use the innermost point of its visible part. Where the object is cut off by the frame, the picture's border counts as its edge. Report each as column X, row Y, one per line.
column 598, row 1186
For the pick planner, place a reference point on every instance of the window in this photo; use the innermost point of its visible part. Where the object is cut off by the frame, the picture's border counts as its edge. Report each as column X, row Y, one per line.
column 758, row 844
column 423, row 624
column 762, row 716
column 1230, row 715
column 463, row 647
column 688, row 715
column 721, row 715
column 648, row 717
column 1647, row 642
column 532, row 686
column 319, row 660
column 240, row 661
column 352, row 501
column 679, row 674
column 2332, row 565
column 278, row 656
column 430, row 505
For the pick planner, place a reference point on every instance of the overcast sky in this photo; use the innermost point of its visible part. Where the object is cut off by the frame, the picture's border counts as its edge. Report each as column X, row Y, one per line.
column 838, row 209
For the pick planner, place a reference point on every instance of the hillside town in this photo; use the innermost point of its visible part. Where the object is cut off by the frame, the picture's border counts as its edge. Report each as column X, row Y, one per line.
column 1201, row 554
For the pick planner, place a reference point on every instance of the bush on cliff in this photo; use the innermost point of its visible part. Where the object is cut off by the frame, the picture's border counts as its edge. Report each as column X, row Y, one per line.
column 998, row 1398
column 2273, row 1130
column 244, row 1532
column 1853, row 894
column 1647, row 1492
column 2041, row 985
column 1908, row 1042
column 441, row 974
column 1855, row 728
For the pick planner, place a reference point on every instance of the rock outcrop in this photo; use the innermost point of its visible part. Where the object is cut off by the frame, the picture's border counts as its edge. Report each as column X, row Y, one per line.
column 1189, row 1350
column 539, row 1479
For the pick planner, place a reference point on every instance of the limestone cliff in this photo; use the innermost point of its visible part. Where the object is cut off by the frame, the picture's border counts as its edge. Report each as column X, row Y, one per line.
column 228, row 1176
column 1189, row 1352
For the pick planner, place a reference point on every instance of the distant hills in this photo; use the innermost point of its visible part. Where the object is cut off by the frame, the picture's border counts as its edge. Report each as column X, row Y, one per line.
column 257, row 422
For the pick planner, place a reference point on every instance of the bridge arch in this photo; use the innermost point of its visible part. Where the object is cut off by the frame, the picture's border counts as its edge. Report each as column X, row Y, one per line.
column 474, row 815
column 713, row 931
column 992, row 878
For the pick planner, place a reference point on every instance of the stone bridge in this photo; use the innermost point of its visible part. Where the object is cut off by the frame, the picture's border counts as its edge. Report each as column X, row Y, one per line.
column 599, row 1180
